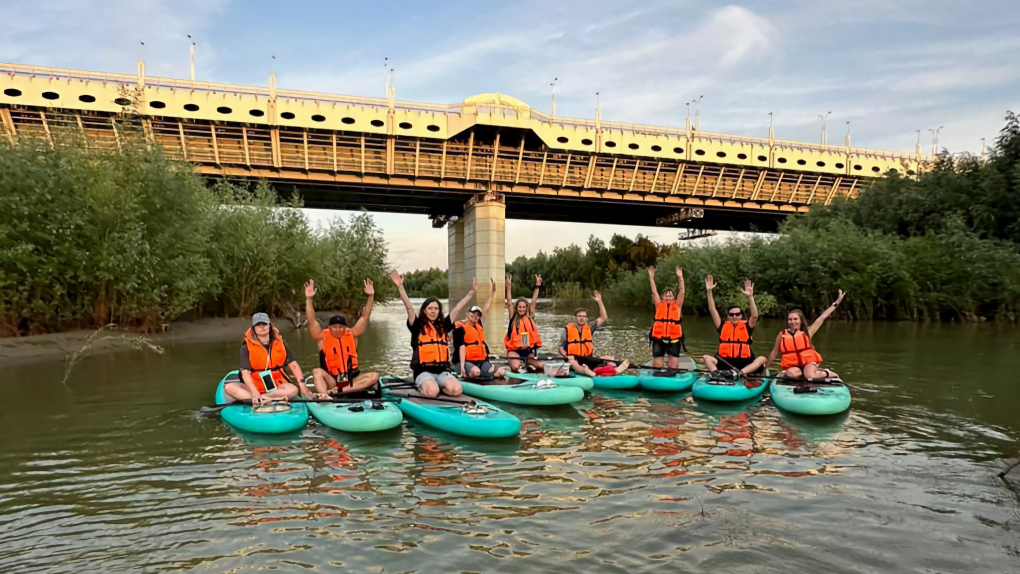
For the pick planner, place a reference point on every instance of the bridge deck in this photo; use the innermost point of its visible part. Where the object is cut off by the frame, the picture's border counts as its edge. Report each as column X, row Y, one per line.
column 428, row 158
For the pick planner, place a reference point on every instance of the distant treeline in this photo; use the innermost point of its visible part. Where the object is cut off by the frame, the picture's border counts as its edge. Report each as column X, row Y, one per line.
column 427, row 283
column 943, row 246
column 89, row 238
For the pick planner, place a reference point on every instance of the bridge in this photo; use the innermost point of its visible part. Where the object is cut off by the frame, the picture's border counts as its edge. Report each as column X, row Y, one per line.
column 467, row 166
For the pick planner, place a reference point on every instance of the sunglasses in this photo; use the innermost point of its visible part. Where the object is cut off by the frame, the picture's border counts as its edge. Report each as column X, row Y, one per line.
column 735, row 314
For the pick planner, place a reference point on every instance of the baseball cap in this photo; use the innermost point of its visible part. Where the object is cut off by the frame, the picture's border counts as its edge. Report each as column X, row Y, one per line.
column 338, row 320
column 475, row 309
column 259, row 318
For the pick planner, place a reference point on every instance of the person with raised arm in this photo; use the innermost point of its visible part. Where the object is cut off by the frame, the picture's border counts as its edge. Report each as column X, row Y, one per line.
column 798, row 356
column 338, row 373
column 470, row 351
column 577, row 346
column 667, row 335
column 430, row 339
column 522, row 340
column 734, row 335
column 264, row 356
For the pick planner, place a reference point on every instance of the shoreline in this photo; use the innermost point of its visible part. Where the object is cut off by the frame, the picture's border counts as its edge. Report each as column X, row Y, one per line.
column 50, row 346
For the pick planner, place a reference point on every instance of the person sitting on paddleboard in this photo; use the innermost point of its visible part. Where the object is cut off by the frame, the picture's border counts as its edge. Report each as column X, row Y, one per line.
column 263, row 359
column 577, row 346
column 470, row 351
column 522, row 339
column 338, row 373
column 799, row 357
column 430, row 340
column 734, row 335
column 667, row 335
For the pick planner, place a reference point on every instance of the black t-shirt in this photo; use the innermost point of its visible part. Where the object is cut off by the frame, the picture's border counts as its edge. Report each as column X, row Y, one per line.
column 750, row 330
column 416, row 367
column 245, row 363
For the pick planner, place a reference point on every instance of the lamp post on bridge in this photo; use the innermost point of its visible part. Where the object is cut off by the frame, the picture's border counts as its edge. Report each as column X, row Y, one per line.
column 192, row 59
column 697, row 113
column 553, row 84
column 825, row 133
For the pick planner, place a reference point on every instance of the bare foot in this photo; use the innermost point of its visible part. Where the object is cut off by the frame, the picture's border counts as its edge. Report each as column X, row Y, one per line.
column 622, row 366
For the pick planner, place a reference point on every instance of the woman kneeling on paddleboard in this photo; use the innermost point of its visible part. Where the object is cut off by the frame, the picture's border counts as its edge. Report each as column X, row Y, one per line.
column 522, row 340
column 430, row 339
column 799, row 357
column 470, row 351
column 263, row 359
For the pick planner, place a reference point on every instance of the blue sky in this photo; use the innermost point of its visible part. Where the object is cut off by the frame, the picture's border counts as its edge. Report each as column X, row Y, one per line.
column 888, row 67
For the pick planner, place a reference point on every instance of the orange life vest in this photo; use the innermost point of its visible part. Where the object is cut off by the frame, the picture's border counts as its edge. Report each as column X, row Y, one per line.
column 735, row 341
column 474, row 340
column 432, row 345
column 272, row 360
column 667, row 322
column 514, row 339
column 341, row 354
column 797, row 350
column 579, row 343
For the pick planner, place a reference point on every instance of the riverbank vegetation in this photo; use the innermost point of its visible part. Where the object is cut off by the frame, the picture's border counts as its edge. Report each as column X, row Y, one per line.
column 427, row 283
column 943, row 246
column 89, row 238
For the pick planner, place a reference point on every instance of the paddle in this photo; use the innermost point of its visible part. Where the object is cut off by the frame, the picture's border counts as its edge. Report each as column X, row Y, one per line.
column 437, row 398
column 826, row 381
column 218, row 408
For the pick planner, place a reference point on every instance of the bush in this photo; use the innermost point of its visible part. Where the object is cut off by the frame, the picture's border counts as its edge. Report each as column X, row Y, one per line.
column 89, row 238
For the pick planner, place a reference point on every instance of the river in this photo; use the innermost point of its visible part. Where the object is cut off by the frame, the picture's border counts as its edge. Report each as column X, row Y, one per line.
column 117, row 471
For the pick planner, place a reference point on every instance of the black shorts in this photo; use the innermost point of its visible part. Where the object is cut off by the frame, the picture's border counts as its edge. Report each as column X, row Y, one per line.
column 591, row 362
column 735, row 363
column 523, row 354
column 663, row 348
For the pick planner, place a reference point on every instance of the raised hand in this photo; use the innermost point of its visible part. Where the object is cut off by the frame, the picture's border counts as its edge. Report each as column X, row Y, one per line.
column 310, row 289
column 596, row 296
column 679, row 272
column 651, row 271
column 397, row 278
column 474, row 283
column 493, row 285
column 709, row 282
column 748, row 288
column 369, row 287
column 538, row 280
column 840, row 298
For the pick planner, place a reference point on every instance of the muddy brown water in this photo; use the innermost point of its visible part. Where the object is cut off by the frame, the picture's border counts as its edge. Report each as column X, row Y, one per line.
column 117, row 472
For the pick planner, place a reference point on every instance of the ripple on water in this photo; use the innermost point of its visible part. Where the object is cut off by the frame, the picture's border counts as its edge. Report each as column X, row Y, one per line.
column 620, row 482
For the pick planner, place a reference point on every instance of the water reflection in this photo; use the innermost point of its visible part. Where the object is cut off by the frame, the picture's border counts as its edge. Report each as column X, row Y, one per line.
column 109, row 482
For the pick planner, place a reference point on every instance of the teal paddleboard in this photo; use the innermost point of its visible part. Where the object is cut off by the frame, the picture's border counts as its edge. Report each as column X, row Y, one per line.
column 810, row 399
column 614, row 382
column 355, row 417
column 273, row 418
column 524, row 393
column 740, row 389
column 459, row 415
column 666, row 382
column 574, row 380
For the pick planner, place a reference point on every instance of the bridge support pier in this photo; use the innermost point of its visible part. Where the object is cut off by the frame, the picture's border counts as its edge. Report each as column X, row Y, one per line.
column 477, row 249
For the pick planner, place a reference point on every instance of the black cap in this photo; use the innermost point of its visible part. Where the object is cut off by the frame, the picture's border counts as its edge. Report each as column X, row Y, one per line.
column 338, row 320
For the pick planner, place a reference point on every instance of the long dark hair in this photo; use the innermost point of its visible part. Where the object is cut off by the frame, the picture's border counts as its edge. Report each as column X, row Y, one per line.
column 438, row 323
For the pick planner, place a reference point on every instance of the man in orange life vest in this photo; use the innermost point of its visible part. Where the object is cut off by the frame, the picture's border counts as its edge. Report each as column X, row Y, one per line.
column 338, row 373
column 470, row 351
column 667, row 335
column 734, row 335
column 263, row 359
column 577, row 346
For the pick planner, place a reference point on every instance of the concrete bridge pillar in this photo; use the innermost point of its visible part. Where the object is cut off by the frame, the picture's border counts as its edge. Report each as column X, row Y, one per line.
column 477, row 249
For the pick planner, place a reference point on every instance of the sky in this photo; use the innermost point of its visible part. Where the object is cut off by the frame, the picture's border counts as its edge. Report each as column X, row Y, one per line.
column 890, row 68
